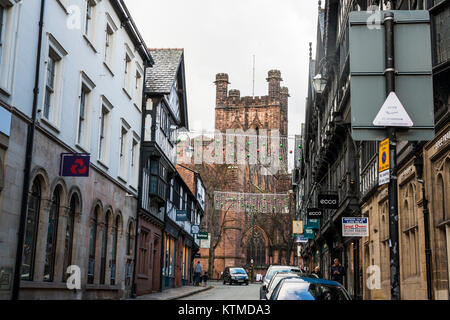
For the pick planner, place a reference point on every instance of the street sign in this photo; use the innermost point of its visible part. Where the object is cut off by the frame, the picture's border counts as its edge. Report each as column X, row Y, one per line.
column 392, row 113
column 297, row 226
column 355, row 227
column 413, row 81
column 313, row 224
column 328, row 201
column 74, row 165
column 300, row 239
column 314, row 213
column 383, row 163
column 203, row 235
column 384, row 177
column 195, row 229
column 181, row 215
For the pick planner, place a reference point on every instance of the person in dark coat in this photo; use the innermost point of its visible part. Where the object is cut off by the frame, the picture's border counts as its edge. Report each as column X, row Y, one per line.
column 317, row 272
column 205, row 278
column 337, row 271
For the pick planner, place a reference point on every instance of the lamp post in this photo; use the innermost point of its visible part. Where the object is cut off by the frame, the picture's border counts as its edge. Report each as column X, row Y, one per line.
column 319, row 83
column 418, row 163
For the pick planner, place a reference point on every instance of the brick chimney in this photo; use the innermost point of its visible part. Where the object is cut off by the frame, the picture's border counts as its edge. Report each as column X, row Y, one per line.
column 274, row 79
column 221, row 88
column 234, row 94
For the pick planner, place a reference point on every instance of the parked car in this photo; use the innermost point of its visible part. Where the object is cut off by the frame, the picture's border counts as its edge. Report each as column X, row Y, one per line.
column 300, row 288
column 271, row 271
column 235, row 275
column 274, row 281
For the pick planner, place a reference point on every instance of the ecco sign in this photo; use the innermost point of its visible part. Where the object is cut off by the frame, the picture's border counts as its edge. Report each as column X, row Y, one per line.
column 328, row 201
column 314, row 213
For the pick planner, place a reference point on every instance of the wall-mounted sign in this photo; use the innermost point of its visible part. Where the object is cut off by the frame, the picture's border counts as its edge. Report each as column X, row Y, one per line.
column 297, row 226
column 74, row 165
column 314, row 213
column 195, row 229
column 355, row 227
column 181, row 215
column 328, row 201
column 383, row 162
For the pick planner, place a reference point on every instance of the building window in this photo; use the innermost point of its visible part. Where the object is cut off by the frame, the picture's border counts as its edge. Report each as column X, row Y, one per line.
column 52, row 235
column 82, row 115
column 256, row 250
column 68, row 235
column 104, row 248
column 88, row 17
column 134, row 163
column 158, row 178
column 93, row 245
column 104, row 135
column 31, row 229
column 410, row 234
column 114, row 251
column 123, row 153
column 130, row 239
column 127, row 74
column 143, row 251
column 138, row 88
column 169, row 256
column 50, row 85
column 109, row 43
column 2, row 19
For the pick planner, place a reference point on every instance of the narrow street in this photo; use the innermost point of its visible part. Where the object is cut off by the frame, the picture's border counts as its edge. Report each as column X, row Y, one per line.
column 228, row 292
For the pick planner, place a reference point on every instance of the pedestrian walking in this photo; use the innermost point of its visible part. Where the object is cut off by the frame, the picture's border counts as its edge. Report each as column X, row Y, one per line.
column 337, row 271
column 317, row 272
column 197, row 273
column 205, row 278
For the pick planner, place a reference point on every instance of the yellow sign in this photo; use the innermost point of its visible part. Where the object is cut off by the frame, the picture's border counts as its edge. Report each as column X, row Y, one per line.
column 383, row 156
column 297, row 227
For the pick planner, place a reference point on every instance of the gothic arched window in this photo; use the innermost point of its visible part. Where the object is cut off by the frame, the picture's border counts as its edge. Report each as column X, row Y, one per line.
column 68, row 234
column 256, row 250
column 31, row 229
column 52, row 235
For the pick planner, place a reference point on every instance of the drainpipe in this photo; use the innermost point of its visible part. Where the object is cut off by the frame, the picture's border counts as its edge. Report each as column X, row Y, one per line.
column 28, row 161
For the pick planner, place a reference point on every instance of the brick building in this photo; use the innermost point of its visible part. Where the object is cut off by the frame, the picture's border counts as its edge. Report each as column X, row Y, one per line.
column 240, row 238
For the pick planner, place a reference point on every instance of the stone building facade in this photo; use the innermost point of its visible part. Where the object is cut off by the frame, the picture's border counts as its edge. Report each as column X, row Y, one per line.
column 83, row 100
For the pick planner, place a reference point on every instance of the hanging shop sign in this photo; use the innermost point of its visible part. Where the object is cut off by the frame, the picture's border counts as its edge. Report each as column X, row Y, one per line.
column 309, row 234
column 328, row 201
column 314, row 213
column 203, row 235
column 355, row 227
column 297, row 227
column 313, row 224
column 181, row 215
column 74, row 165
column 300, row 239
column 195, row 229
column 205, row 243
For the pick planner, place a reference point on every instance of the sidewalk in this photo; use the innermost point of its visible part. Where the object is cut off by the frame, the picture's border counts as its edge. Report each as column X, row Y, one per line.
column 175, row 293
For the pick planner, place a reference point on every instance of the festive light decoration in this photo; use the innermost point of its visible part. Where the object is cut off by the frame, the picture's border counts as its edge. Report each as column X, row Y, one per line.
column 251, row 202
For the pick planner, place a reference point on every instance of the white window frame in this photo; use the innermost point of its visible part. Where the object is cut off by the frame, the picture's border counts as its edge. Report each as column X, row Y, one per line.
column 123, row 150
column 134, row 160
column 138, row 86
column 104, row 140
column 87, row 85
column 109, row 37
column 89, row 23
column 58, row 53
column 8, row 39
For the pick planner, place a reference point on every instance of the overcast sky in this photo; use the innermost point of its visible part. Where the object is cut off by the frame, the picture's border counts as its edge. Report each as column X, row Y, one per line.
column 222, row 36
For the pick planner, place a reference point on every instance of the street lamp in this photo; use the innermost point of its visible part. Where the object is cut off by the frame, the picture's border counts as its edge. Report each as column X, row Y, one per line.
column 319, row 83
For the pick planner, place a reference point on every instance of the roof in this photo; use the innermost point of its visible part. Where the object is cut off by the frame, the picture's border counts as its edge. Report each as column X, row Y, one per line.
column 162, row 75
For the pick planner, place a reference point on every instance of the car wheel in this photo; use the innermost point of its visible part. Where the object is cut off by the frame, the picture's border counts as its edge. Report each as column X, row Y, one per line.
column 246, row 283
column 224, row 282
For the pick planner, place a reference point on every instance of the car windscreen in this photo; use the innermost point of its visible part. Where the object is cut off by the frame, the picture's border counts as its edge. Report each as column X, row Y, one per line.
column 277, row 278
column 310, row 291
column 237, row 271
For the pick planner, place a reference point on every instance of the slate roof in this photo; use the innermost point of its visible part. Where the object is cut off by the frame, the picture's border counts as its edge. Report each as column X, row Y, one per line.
column 161, row 76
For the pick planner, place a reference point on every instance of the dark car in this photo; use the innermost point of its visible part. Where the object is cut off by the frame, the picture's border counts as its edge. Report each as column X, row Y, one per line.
column 235, row 275
column 309, row 289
